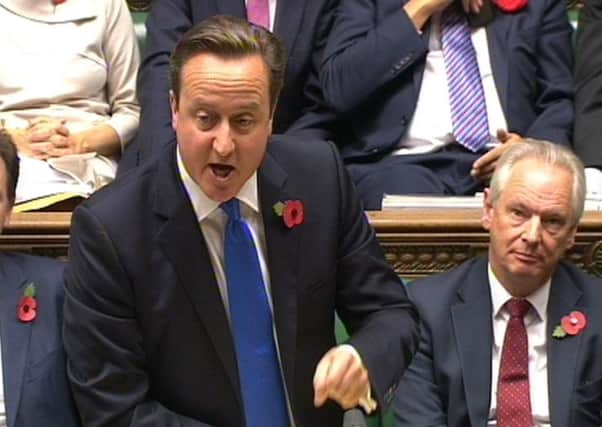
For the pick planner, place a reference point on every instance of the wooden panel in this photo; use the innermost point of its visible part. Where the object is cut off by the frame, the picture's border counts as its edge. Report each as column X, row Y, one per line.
column 421, row 242
column 416, row 242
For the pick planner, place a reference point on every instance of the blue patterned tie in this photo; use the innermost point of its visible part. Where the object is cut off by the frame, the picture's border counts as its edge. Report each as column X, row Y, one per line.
column 252, row 327
column 466, row 96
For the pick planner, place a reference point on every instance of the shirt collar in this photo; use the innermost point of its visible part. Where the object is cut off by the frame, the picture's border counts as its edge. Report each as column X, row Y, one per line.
column 499, row 295
column 202, row 205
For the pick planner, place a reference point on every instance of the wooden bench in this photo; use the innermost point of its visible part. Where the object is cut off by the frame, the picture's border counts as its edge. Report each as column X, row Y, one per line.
column 417, row 243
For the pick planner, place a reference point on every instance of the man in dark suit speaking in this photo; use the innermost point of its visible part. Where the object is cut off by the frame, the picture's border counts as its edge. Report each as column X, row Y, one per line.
column 513, row 339
column 202, row 288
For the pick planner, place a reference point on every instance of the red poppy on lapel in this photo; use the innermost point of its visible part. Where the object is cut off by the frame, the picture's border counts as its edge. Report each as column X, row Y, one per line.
column 573, row 324
column 26, row 310
column 57, row 2
column 291, row 212
column 511, row 6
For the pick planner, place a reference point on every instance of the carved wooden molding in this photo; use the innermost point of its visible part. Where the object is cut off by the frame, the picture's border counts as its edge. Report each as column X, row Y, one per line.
column 417, row 243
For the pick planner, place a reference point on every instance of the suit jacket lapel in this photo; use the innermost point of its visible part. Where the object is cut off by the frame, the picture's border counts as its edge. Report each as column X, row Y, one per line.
column 562, row 353
column 282, row 255
column 419, row 71
column 289, row 15
column 473, row 330
column 15, row 336
column 497, row 40
column 182, row 241
column 232, row 7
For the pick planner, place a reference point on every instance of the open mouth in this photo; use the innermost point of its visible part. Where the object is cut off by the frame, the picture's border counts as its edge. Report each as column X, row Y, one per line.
column 221, row 171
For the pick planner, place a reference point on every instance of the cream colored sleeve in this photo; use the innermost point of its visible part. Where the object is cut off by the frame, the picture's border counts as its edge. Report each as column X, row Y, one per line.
column 123, row 60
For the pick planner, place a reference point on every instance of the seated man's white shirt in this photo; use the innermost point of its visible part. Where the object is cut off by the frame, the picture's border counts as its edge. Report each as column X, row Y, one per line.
column 593, row 178
column 431, row 125
column 535, row 322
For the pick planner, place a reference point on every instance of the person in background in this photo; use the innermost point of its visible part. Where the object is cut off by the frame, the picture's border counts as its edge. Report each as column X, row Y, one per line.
column 202, row 288
column 434, row 91
column 302, row 25
column 67, row 87
column 34, row 389
column 513, row 338
column 588, row 93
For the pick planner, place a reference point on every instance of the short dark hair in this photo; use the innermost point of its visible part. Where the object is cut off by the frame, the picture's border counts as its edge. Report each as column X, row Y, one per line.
column 8, row 153
column 229, row 37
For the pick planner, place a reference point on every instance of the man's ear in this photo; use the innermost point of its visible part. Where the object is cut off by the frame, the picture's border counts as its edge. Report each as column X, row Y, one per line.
column 571, row 240
column 173, row 104
column 487, row 210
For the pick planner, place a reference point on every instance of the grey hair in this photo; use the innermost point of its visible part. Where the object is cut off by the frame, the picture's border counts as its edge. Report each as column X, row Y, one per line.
column 548, row 153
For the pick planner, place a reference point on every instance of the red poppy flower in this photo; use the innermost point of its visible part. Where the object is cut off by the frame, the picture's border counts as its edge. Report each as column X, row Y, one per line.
column 26, row 311
column 574, row 323
column 57, row 2
column 292, row 213
column 511, row 6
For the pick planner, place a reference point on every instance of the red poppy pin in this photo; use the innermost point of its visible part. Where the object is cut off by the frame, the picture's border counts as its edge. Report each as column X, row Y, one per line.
column 57, row 2
column 511, row 6
column 570, row 325
column 291, row 212
column 26, row 310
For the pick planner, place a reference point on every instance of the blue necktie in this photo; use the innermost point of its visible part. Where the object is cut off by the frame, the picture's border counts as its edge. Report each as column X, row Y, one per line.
column 252, row 327
column 466, row 95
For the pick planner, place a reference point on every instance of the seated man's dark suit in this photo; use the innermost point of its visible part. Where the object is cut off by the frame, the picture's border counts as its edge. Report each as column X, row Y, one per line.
column 588, row 96
column 36, row 389
column 449, row 381
column 146, row 332
column 302, row 25
column 372, row 72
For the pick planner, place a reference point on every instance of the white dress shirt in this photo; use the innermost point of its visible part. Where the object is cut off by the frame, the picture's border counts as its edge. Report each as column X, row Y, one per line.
column 431, row 125
column 535, row 323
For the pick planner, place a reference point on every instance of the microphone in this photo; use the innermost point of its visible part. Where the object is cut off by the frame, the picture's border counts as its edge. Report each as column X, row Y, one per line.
column 354, row 418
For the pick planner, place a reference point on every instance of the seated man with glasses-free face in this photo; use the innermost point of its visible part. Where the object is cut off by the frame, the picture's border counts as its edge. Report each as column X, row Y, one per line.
column 514, row 338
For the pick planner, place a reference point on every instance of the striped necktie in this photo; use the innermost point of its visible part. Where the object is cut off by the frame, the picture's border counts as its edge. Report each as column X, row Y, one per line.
column 466, row 95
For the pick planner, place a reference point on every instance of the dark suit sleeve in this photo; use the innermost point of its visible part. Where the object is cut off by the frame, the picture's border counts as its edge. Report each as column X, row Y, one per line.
column 371, row 301
column 106, row 359
column 417, row 401
column 317, row 120
column 554, row 82
column 167, row 22
column 588, row 75
column 365, row 52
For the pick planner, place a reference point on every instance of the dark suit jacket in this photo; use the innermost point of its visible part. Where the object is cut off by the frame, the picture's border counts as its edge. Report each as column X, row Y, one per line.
column 588, row 96
column 303, row 27
column 374, row 61
column 36, row 389
column 449, row 381
column 146, row 332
